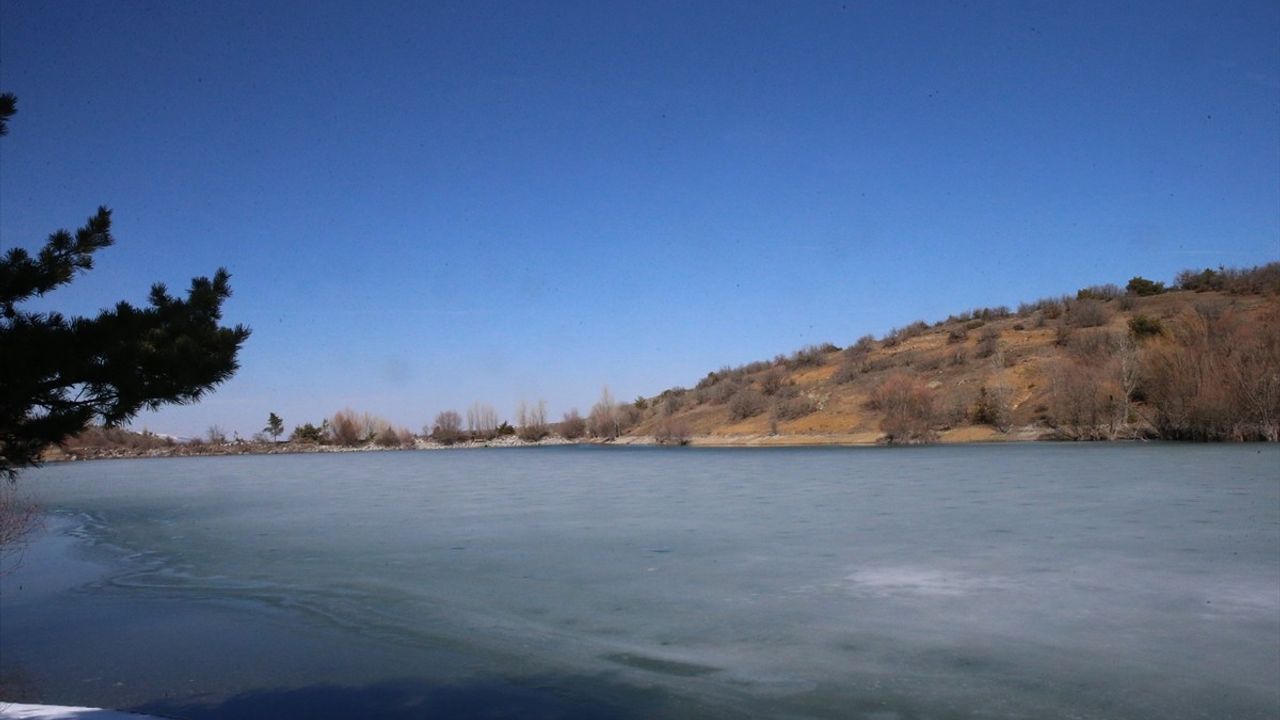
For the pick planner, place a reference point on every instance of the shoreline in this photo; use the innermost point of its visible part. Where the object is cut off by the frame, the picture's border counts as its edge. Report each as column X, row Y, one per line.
column 963, row 435
column 35, row 711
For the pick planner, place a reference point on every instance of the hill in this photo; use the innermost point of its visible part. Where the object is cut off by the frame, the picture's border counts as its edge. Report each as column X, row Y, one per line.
column 1198, row 362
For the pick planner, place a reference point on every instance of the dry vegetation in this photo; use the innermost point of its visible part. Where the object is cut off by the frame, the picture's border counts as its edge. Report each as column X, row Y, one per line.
column 1197, row 361
column 19, row 518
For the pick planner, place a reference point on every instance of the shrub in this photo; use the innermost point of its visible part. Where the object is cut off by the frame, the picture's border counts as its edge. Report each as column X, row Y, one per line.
column 532, row 420
column 671, row 402
column 309, row 433
column 988, row 343
column 1062, row 333
column 1215, row 378
column 897, row 336
column 572, row 426
column 721, row 392
column 915, row 329
column 1099, row 292
column 482, row 421
column 672, row 431
column 1257, row 280
column 347, row 428
column 628, row 417
column 1093, row 344
column 1051, row 308
column 604, row 420
column 908, row 407
column 388, row 437
column 792, row 408
column 772, row 381
column 532, row 433
column 746, row 403
column 447, row 428
column 1087, row 312
column 860, row 349
column 998, row 312
column 708, row 381
column 97, row 436
column 216, row 435
column 994, row 407
column 957, row 334
column 1143, row 327
column 1142, row 287
column 846, row 373
column 1082, row 401
column 19, row 518
column 810, row 355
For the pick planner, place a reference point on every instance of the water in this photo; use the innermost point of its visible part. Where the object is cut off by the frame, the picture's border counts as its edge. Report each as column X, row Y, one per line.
column 1029, row 581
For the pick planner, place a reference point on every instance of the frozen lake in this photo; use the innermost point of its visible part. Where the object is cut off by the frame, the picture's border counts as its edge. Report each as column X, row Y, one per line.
column 1027, row 581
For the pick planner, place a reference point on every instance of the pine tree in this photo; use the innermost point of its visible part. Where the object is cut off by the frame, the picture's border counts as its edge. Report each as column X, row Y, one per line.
column 60, row 374
column 275, row 426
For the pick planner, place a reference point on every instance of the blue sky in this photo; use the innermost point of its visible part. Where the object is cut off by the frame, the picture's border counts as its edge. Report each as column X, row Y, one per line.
column 424, row 205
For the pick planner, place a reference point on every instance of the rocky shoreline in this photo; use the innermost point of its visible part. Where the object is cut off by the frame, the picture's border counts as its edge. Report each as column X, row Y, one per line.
column 961, row 435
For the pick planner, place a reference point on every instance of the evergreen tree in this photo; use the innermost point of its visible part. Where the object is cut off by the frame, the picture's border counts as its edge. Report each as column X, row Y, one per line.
column 60, row 374
column 275, row 426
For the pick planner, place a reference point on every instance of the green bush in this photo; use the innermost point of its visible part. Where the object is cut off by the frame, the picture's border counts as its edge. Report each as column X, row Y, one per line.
column 309, row 433
column 1099, row 292
column 1142, row 286
column 1142, row 326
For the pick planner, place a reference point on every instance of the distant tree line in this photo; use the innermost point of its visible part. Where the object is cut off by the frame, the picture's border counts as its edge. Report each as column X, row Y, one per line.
column 1105, row 363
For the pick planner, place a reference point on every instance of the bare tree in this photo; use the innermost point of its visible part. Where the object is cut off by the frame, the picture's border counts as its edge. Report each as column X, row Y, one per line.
column 746, row 403
column 390, row 436
column 532, row 421
column 573, row 426
column 447, row 428
column 19, row 517
column 1083, row 401
column 1215, row 377
column 482, row 421
column 908, row 407
column 347, row 427
column 1128, row 372
column 604, row 421
column 672, row 431
column 772, row 380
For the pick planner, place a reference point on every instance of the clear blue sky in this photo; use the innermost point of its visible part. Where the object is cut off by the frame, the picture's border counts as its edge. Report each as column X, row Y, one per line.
column 423, row 205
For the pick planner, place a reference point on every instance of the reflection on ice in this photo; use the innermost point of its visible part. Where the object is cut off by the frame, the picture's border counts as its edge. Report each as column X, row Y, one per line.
column 922, row 582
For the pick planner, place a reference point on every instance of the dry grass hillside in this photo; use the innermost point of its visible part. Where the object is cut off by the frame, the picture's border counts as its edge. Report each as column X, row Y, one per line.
column 1201, row 363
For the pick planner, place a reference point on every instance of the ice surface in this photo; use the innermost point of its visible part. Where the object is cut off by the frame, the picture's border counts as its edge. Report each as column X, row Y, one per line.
column 1029, row 581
